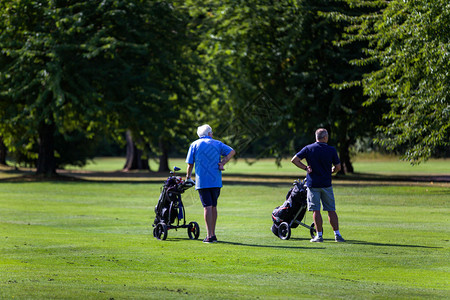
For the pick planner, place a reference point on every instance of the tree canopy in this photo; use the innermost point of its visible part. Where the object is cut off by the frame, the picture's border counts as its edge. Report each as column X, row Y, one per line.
column 87, row 69
column 264, row 74
column 410, row 41
column 276, row 65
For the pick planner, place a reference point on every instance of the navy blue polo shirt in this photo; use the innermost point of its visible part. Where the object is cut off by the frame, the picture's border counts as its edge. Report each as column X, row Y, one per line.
column 320, row 157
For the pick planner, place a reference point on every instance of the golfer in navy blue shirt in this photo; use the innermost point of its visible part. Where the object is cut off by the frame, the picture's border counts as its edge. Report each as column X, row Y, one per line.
column 209, row 157
column 322, row 161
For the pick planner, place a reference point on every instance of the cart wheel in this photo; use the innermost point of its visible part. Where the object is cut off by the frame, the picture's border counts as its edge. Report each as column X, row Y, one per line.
column 193, row 230
column 313, row 230
column 284, row 231
column 154, row 232
column 161, row 231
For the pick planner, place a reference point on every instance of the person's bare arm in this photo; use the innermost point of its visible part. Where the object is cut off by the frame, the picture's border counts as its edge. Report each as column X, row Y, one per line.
column 189, row 169
column 336, row 168
column 297, row 161
column 226, row 159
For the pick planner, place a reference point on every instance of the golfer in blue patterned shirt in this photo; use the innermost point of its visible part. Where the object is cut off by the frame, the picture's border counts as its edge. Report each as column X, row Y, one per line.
column 209, row 157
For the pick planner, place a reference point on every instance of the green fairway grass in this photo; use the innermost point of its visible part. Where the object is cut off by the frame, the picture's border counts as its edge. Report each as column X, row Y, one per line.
column 93, row 240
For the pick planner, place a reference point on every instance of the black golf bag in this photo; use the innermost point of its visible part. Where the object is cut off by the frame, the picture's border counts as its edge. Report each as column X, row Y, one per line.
column 291, row 213
column 169, row 207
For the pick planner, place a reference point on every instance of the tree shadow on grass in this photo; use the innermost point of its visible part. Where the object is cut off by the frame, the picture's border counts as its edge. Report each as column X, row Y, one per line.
column 353, row 179
column 326, row 241
column 11, row 174
column 270, row 246
column 356, row 242
column 177, row 239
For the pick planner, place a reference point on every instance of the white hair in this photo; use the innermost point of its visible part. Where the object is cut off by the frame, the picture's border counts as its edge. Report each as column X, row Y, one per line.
column 203, row 130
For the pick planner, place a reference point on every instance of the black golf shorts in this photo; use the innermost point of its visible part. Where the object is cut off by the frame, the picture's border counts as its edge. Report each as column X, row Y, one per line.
column 209, row 196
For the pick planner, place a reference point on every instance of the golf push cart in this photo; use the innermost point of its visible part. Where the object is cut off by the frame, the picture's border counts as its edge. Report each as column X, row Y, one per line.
column 291, row 213
column 170, row 213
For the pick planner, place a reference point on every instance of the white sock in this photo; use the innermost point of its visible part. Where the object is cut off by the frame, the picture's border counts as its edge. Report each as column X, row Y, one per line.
column 337, row 232
column 319, row 233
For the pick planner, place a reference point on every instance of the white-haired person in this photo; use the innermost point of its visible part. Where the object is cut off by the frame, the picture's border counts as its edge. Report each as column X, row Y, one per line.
column 322, row 161
column 209, row 157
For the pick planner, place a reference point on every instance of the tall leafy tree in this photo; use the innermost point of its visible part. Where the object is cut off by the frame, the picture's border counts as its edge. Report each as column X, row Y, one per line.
column 160, row 113
column 86, row 68
column 3, row 151
column 410, row 42
column 172, row 82
column 276, row 64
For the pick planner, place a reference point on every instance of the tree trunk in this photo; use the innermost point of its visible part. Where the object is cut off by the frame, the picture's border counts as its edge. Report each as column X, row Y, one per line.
column 3, row 151
column 344, row 154
column 46, row 163
column 164, row 157
column 134, row 156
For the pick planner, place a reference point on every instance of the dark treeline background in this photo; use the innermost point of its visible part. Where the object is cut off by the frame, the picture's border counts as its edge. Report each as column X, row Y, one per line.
column 80, row 79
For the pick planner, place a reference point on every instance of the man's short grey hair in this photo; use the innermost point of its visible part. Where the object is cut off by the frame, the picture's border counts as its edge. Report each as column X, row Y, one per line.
column 321, row 133
column 203, row 130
